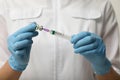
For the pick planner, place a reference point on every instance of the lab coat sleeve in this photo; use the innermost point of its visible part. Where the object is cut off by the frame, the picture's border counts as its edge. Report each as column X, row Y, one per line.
column 111, row 36
column 4, row 53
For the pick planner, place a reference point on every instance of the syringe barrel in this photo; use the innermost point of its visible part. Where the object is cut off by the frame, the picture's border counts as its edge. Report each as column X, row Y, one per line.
column 53, row 32
column 60, row 34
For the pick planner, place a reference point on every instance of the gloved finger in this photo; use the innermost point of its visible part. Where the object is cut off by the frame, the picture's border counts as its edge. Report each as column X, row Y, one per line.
column 22, row 44
column 28, row 49
column 26, row 35
column 71, row 39
column 20, row 52
column 90, row 52
column 31, row 27
column 10, row 39
column 79, row 36
column 85, row 41
column 23, row 52
column 11, row 50
column 86, row 48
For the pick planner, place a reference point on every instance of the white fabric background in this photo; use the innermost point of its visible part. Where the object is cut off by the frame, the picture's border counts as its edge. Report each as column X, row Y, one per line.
column 116, row 5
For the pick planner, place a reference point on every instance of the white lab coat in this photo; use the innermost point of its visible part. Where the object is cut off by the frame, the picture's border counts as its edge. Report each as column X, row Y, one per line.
column 53, row 58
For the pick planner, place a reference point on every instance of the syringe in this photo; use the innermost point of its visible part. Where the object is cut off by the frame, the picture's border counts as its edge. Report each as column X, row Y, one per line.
column 53, row 32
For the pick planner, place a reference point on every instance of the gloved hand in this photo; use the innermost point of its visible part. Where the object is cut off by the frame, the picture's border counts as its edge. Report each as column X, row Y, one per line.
column 19, row 44
column 92, row 47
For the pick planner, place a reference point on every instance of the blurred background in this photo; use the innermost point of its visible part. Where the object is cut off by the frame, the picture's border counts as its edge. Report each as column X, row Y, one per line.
column 116, row 5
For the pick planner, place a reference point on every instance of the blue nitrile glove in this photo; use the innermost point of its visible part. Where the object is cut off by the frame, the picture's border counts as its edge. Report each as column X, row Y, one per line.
column 19, row 44
column 92, row 47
